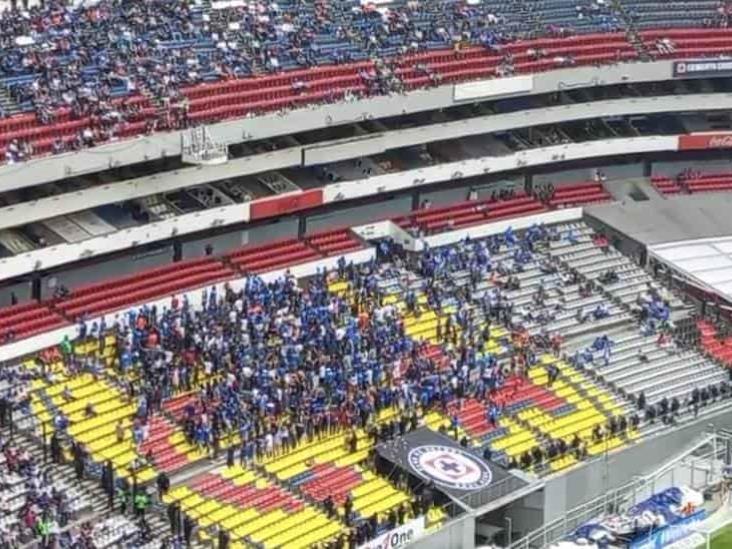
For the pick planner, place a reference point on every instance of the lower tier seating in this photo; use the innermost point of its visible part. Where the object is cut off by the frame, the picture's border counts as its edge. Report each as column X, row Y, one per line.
column 579, row 194
column 714, row 343
column 249, row 506
column 27, row 319
column 267, row 257
column 145, row 286
column 92, row 411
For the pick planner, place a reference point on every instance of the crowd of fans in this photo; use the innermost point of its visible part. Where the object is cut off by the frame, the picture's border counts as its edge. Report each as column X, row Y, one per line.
column 278, row 363
column 32, row 505
column 94, row 60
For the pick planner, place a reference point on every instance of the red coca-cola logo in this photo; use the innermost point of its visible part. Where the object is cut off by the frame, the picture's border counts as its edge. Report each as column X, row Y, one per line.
column 702, row 141
column 720, row 142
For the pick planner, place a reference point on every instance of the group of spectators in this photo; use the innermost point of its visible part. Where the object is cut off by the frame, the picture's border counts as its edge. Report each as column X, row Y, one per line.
column 277, row 363
column 81, row 60
column 32, row 505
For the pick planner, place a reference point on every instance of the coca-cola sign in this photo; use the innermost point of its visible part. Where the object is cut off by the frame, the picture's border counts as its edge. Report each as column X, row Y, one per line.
column 705, row 141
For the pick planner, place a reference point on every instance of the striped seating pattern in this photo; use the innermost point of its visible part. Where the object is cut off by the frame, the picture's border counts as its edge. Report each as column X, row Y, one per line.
column 141, row 287
column 27, row 319
column 98, row 433
column 689, row 43
column 249, row 506
column 666, row 185
column 697, row 183
column 469, row 213
column 721, row 349
column 579, row 194
column 266, row 257
column 709, row 183
column 334, row 242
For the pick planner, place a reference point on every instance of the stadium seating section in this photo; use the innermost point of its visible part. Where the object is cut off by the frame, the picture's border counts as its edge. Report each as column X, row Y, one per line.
column 719, row 347
column 139, row 288
column 69, row 395
column 666, row 185
column 28, row 319
column 336, row 64
column 465, row 214
column 279, row 502
column 579, row 195
column 693, row 183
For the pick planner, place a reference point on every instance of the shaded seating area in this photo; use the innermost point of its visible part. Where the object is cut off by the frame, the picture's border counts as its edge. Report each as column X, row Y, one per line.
column 666, row 185
column 335, row 242
column 271, row 256
column 693, row 182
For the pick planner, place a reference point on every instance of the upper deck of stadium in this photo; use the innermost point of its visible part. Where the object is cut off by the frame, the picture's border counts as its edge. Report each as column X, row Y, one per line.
column 77, row 77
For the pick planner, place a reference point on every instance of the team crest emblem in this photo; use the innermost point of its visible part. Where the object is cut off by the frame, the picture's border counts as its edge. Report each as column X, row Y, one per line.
column 450, row 467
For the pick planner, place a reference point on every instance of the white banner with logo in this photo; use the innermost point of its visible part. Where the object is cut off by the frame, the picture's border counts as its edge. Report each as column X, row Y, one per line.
column 398, row 537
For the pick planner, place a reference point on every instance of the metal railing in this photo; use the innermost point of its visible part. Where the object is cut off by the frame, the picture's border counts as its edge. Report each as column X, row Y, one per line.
column 505, row 487
column 710, row 449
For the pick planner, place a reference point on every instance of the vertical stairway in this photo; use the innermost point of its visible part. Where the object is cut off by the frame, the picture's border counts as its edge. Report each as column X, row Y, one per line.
column 92, row 490
column 8, row 106
column 631, row 32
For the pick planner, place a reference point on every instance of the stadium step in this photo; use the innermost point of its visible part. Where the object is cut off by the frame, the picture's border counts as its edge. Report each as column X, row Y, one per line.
column 7, row 105
column 98, row 504
column 631, row 31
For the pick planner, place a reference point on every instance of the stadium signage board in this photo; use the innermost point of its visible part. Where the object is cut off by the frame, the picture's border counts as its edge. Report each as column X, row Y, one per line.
column 705, row 141
column 287, row 203
column 398, row 537
column 702, row 68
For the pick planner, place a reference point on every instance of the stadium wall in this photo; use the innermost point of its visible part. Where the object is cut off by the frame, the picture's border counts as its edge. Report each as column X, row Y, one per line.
column 456, row 534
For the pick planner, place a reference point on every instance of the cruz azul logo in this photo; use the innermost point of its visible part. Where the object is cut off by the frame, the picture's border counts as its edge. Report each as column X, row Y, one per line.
column 450, row 467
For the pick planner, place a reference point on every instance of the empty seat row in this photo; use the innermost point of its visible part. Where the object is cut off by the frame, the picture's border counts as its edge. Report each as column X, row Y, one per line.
column 161, row 282
column 583, row 193
column 258, row 259
column 334, row 242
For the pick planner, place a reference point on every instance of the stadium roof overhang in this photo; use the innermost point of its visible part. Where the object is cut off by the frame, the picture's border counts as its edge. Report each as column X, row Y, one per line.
column 706, row 262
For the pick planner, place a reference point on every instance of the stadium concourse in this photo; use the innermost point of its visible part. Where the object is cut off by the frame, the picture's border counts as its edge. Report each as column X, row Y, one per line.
column 247, row 413
column 74, row 75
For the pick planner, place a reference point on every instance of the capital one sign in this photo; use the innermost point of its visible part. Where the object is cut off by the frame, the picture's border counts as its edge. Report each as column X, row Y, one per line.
column 705, row 141
column 400, row 536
